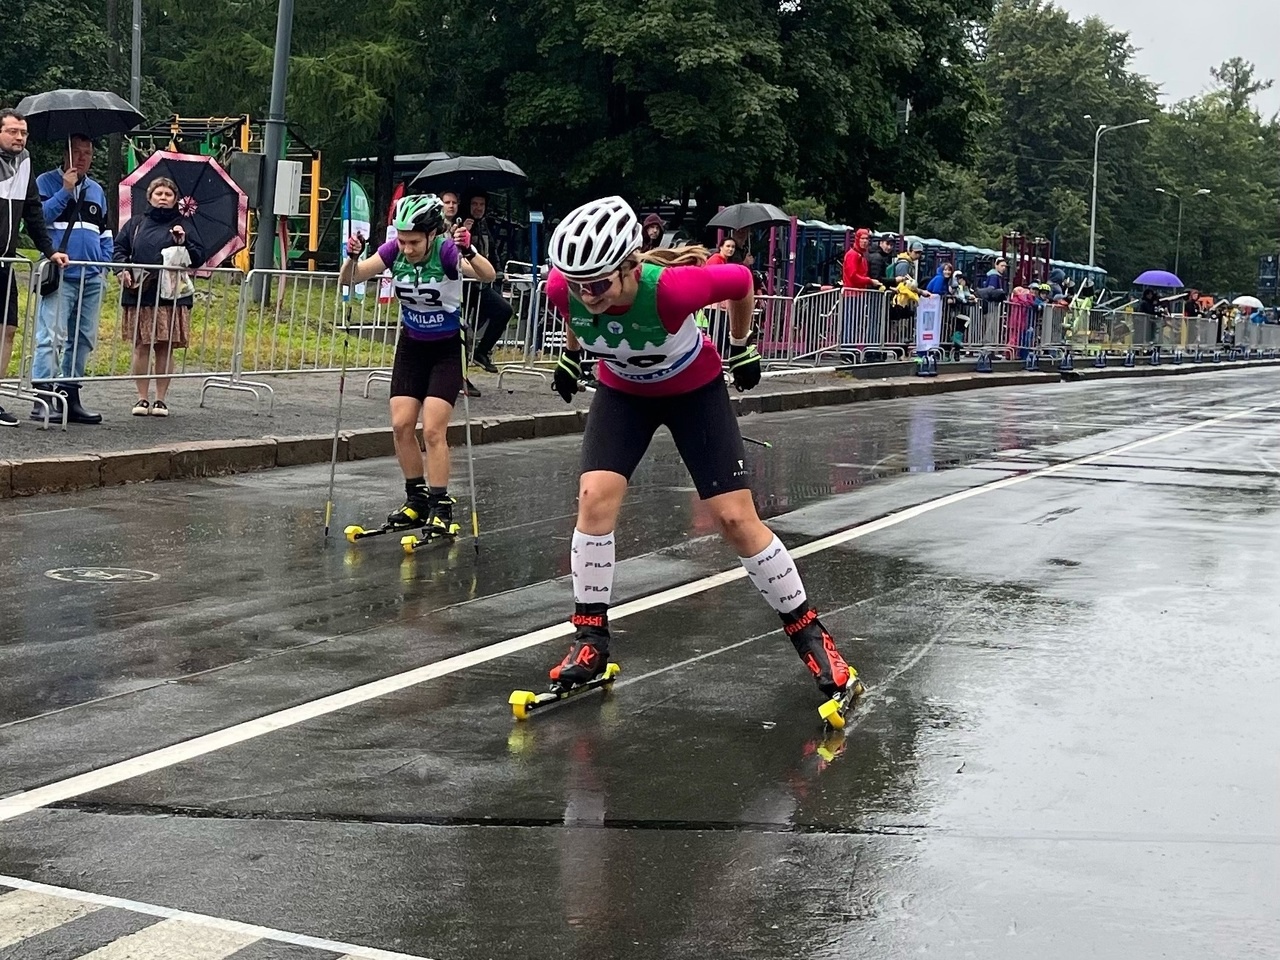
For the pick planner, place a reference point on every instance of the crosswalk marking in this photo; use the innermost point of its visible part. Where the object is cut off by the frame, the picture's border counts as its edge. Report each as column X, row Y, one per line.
column 174, row 940
column 83, row 903
column 24, row 914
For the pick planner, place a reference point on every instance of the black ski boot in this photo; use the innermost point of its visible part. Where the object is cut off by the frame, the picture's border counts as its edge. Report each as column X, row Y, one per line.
column 413, row 513
column 835, row 678
column 440, row 522
column 589, row 655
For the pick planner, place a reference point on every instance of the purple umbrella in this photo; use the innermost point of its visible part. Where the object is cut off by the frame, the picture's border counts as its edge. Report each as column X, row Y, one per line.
column 1157, row 278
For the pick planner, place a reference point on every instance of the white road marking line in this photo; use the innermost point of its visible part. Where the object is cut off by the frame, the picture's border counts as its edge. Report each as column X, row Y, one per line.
column 25, row 914
column 174, row 940
column 249, row 930
column 27, row 801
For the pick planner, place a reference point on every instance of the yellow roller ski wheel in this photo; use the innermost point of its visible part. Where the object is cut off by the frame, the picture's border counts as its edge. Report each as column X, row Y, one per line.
column 830, row 712
column 353, row 532
column 520, row 702
column 408, row 543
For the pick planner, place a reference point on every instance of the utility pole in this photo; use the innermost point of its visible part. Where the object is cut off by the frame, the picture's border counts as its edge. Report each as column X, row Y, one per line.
column 902, row 198
column 135, row 73
column 273, row 140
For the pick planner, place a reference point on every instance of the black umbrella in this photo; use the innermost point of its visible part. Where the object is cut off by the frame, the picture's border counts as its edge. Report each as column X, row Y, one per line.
column 217, row 209
column 748, row 215
column 462, row 173
column 60, row 114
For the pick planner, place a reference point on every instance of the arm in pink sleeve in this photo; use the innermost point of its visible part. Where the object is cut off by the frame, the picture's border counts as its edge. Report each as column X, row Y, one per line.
column 558, row 293
column 685, row 290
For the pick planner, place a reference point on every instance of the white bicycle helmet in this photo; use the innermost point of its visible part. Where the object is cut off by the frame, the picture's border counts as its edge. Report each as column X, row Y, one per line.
column 595, row 239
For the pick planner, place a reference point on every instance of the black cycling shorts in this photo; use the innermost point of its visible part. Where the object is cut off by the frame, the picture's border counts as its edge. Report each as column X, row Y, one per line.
column 427, row 368
column 621, row 425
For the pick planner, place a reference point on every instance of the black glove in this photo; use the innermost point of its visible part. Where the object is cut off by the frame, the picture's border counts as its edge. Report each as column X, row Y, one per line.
column 744, row 364
column 568, row 372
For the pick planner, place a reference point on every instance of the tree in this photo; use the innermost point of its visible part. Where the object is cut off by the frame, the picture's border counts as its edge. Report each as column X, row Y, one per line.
column 1044, row 72
column 1219, row 142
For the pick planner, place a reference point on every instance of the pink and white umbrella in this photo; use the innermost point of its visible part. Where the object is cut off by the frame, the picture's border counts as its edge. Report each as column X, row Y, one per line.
column 207, row 196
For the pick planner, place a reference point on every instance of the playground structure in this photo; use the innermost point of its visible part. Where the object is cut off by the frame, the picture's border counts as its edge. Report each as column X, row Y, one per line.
column 234, row 142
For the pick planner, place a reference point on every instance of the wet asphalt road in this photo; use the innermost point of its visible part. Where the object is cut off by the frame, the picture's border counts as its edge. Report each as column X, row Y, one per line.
column 1069, row 748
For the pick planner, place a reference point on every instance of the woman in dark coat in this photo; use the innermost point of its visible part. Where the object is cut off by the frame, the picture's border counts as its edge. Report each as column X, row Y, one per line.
column 148, row 319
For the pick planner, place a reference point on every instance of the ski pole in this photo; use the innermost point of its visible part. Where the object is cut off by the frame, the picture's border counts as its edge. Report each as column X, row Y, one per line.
column 760, row 443
column 471, row 464
column 342, row 376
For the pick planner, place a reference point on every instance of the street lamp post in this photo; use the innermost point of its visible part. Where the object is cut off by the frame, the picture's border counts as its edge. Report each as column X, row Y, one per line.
column 1177, row 249
column 1093, row 213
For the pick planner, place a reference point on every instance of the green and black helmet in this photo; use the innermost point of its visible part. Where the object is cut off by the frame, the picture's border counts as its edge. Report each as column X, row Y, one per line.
column 419, row 213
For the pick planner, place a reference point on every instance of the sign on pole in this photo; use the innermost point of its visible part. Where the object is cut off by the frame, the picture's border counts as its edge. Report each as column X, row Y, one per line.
column 929, row 323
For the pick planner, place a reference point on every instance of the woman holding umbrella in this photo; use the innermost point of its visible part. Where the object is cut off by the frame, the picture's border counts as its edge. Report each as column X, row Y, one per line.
column 151, row 316
column 634, row 311
column 427, row 267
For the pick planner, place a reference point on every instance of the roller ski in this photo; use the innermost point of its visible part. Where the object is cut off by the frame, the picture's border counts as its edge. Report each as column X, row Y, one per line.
column 412, row 515
column 836, row 679
column 439, row 525
column 586, row 666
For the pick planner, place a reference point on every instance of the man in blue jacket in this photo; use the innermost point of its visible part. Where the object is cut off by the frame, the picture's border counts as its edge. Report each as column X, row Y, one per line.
column 75, row 211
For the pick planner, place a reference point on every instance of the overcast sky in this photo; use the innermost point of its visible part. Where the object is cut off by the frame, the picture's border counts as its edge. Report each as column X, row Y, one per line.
column 1179, row 40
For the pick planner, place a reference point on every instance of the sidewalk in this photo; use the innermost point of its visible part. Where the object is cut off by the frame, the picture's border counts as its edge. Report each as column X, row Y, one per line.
column 227, row 437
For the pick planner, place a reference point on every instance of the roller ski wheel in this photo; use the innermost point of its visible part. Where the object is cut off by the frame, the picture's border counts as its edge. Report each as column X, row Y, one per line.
column 356, row 533
column 836, row 710
column 412, row 543
column 524, row 702
column 439, row 525
column 413, row 515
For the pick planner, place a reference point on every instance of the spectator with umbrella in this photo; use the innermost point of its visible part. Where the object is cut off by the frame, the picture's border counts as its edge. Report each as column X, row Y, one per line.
column 481, row 300
column 76, row 213
column 476, row 178
column 21, row 202
column 156, row 314
column 75, row 207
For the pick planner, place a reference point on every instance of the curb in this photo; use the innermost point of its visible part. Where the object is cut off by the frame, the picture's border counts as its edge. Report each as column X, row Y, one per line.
column 208, row 458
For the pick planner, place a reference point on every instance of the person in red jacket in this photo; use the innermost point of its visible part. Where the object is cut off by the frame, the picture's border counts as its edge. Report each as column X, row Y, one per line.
column 857, row 274
column 861, row 312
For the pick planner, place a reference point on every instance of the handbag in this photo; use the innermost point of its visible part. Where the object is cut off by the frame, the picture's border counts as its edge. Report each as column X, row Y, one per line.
column 51, row 275
column 175, row 281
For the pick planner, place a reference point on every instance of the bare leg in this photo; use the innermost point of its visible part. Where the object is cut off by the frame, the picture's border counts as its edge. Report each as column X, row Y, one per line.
column 600, row 494
column 404, row 428
column 141, row 364
column 435, row 425
column 164, row 364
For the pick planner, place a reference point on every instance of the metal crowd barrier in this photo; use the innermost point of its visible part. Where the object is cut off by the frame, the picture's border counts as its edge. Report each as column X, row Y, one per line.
column 19, row 279
column 62, row 329
column 1257, row 336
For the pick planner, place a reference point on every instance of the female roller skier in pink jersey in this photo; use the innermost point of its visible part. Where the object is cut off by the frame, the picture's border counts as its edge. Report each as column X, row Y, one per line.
column 634, row 313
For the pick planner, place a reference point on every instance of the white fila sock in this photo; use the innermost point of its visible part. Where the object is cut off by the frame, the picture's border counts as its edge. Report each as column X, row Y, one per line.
column 774, row 574
column 592, row 564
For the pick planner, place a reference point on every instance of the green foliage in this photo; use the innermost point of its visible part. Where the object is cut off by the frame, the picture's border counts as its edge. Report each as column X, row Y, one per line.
column 797, row 103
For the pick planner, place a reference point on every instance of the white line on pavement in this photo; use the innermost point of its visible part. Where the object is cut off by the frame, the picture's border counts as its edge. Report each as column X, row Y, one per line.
column 27, row 801
column 174, row 940
column 245, row 933
column 25, row 914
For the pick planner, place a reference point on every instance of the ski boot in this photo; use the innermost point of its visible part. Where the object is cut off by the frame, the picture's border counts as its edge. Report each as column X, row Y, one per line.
column 412, row 514
column 836, row 679
column 585, row 667
column 438, row 523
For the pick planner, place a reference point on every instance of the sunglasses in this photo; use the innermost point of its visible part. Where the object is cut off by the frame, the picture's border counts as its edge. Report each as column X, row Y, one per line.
column 593, row 288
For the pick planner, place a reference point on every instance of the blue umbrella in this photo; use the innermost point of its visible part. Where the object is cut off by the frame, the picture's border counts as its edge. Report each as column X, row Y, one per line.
column 1157, row 278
